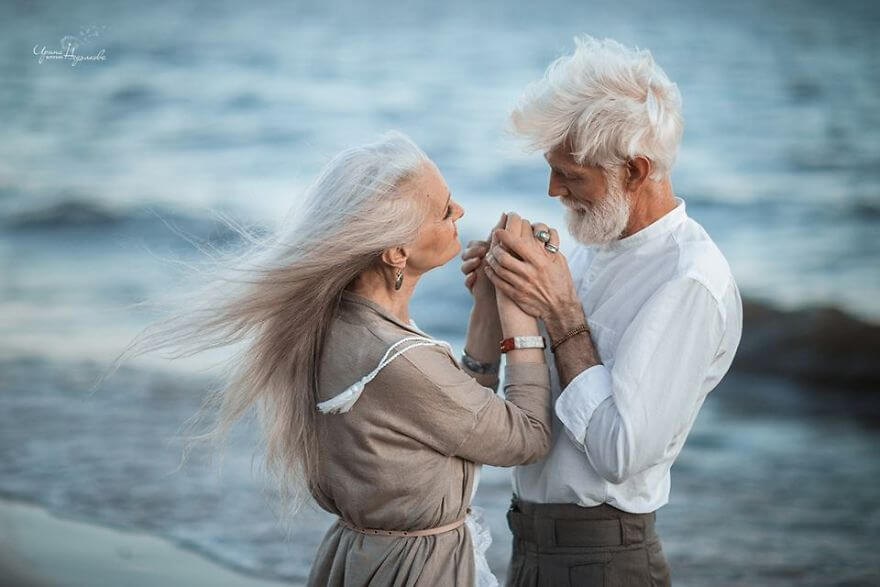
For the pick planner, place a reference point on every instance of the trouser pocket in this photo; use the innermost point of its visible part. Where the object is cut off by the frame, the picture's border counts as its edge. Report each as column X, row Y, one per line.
column 658, row 565
column 572, row 570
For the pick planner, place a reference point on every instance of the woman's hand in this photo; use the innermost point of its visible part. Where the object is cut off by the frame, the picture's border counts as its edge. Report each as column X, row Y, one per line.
column 472, row 260
column 514, row 320
column 520, row 228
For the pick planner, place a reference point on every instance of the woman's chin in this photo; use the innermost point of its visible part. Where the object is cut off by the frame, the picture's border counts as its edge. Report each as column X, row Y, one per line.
column 455, row 249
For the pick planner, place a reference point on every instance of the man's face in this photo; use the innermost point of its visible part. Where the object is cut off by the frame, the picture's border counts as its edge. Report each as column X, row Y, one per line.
column 597, row 208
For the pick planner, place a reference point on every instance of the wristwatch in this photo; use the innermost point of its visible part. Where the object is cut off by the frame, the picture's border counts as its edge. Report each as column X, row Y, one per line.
column 522, row 342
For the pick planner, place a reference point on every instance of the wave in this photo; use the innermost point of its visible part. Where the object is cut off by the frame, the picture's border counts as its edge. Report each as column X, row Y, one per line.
column 64, row 214
column 83, row 214
column 855, row 209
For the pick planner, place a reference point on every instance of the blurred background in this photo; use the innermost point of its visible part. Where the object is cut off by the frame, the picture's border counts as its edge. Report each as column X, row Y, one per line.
column 188, row 107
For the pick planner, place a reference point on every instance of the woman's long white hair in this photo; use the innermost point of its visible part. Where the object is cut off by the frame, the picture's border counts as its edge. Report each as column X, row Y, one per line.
column 277, row 294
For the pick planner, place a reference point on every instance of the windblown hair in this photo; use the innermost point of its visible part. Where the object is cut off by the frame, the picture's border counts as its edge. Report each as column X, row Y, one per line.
column 277, row 294
column 609, row 102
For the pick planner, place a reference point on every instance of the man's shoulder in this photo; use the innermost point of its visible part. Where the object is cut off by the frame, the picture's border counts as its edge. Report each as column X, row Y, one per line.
column 700, row 259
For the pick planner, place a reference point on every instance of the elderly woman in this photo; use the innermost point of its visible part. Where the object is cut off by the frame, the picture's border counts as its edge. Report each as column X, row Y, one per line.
column 362, row 410
column 397, row 453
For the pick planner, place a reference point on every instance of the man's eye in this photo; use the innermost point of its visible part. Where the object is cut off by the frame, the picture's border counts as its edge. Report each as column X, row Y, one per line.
column 448, row 212
column 564, row 175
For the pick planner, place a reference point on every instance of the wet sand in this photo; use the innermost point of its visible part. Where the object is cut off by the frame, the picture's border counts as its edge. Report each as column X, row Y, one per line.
column 38, row 549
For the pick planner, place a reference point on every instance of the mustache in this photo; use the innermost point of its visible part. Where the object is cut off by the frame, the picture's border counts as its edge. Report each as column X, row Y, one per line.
column 575, row 205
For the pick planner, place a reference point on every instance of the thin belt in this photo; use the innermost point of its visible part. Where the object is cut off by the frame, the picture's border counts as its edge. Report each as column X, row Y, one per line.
column 553, row 525
column 425, row 532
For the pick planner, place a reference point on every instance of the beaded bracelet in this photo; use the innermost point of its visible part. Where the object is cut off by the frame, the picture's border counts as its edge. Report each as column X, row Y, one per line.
column 568, row 335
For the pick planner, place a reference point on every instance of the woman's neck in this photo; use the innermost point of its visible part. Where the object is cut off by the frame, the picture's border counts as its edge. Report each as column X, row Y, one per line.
column 375, row 288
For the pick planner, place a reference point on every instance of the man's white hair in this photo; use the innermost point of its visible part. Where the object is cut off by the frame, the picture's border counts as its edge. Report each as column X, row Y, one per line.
column 611, row 102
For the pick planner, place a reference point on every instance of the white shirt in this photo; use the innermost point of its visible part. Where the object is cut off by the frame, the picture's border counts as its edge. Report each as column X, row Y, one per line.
column 665, row 315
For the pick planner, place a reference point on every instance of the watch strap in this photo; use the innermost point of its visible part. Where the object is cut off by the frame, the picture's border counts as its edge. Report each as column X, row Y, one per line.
column 522, row 342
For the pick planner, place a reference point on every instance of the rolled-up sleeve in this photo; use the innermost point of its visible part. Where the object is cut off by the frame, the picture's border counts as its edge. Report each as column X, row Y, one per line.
column 626, row 417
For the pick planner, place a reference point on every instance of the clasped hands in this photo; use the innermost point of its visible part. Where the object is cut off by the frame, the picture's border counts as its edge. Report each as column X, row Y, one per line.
column 516, row 264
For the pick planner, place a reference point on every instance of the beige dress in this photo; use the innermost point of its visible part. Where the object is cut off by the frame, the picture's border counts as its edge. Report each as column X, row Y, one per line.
column 404, row 456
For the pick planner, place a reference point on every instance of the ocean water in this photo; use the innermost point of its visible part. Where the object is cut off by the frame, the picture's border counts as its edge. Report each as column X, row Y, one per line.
column 761, row 496
column 214, row 105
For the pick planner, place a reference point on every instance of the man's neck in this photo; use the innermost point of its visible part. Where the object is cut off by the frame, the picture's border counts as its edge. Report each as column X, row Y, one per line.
column 654, row 200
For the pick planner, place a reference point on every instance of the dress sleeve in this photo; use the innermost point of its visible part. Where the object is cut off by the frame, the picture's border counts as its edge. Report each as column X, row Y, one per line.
column 441, row 405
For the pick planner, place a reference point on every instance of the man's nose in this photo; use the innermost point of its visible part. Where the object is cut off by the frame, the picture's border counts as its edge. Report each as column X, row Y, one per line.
column 556, row 189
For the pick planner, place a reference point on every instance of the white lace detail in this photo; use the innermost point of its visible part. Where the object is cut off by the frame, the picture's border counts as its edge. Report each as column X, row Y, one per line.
column 481, row 538
column 345, row 400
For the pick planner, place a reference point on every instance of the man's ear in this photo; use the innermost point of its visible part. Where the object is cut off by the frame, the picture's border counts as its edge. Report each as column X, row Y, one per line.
column 395, row 257
column 637, row 171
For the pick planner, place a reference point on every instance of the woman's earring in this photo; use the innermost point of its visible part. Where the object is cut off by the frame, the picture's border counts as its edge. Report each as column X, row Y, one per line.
column 399, row 281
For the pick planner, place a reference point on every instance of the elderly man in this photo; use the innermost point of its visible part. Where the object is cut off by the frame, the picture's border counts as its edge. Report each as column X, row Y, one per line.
column 643, row 319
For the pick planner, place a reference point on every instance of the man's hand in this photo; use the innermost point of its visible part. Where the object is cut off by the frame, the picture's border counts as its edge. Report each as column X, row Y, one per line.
column 537, row 280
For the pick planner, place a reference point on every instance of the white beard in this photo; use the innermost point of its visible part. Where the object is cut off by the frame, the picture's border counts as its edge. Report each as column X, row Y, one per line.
column 600, row 223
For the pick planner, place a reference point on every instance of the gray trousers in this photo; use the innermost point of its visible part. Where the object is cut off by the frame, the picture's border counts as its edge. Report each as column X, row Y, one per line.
column 563, row 544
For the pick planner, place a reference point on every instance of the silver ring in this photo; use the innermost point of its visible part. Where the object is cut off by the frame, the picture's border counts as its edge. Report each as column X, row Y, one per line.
column 551, row 247
column 543, row 236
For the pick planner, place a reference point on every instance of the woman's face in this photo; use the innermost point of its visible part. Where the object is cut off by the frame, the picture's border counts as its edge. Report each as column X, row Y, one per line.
column 437, row 242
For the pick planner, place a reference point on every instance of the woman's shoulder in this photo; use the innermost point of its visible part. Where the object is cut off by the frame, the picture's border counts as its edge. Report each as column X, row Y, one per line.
column 355, row 347
column 350, row 351
column 353, row 339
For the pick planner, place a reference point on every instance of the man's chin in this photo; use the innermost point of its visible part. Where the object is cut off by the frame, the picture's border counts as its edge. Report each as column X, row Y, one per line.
column 576, row 208
column 575, row 231
column 585, row 237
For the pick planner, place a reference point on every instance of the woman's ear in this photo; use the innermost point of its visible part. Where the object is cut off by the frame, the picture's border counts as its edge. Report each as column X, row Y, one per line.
column 395, row 257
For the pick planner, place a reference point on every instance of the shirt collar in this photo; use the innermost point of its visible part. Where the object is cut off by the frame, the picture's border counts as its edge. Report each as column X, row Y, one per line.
column 366, row 303
column 663, row 225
